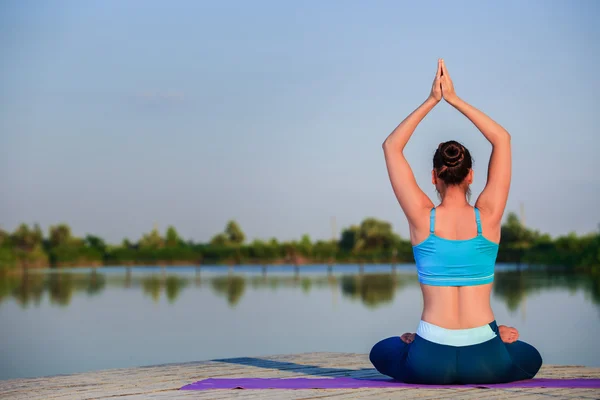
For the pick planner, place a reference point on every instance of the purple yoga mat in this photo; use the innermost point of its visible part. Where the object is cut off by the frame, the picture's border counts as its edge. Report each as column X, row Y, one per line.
column 352, row 383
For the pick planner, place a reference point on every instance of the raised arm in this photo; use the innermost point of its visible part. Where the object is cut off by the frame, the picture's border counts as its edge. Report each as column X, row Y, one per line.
column 492, row 200
column 411, row 198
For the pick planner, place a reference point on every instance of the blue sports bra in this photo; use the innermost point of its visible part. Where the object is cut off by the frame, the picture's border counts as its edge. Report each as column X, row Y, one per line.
column 446, row 262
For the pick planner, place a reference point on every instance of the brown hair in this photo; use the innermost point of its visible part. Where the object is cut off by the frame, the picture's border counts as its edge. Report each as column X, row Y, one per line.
column 452, row 162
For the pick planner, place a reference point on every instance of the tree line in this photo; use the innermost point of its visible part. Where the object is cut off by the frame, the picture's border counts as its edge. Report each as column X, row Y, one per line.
column 372, row 241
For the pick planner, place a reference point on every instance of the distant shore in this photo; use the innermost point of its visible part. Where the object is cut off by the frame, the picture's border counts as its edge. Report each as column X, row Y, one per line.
column 371, row 242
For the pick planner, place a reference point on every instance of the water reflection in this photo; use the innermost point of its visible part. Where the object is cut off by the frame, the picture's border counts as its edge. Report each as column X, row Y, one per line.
column 371, row 289
column 96, row 283
column 514, row 286
column 231, row 286
column 29, row 288
column 153, row 286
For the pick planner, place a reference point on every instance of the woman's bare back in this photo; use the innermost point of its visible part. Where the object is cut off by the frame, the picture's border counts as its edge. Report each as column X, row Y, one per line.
column 455, row 307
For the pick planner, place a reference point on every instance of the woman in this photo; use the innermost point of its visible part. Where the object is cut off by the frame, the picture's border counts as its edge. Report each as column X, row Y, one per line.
column 455, row 247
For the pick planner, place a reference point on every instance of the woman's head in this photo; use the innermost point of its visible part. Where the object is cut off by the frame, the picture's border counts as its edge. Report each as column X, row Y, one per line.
column 452, row 166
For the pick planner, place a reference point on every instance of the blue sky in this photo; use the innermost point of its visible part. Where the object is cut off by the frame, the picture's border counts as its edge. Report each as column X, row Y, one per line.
column 115, row 116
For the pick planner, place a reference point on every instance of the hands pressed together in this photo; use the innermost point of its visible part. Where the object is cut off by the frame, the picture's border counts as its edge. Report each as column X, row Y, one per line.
column 442, row 84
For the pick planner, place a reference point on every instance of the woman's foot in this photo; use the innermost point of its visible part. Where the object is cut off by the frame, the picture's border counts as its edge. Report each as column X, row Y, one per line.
column 408, row 337
column 508, row 334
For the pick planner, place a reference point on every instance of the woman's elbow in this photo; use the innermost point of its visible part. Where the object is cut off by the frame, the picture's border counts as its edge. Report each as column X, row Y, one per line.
column 502, row 137
column 386, row 144
column 389, row 145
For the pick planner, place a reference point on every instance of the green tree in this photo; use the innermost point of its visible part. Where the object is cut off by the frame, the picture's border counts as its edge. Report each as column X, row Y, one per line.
column 305, row 247
column 374, row 234
column 4, row 238
column 234, row 233
column 325, row 251
column 152, row 240
column 516, row 239
column 289, row 249
column 220, row 239
column 172, row 237
column 60, row 235
column 27, row 247
column 95, row 242
column 257, row 249
column 67, row 250
column 38, row 234
column 512, row 229
column 26, row 239
column 8, row 259
column 349, row 238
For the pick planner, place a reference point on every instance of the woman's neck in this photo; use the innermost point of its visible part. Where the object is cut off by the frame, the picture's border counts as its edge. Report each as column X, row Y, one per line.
column 454, row 197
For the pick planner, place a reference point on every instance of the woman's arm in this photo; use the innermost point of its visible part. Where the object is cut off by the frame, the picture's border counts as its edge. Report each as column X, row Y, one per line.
column 492, row 200
column 409, row 195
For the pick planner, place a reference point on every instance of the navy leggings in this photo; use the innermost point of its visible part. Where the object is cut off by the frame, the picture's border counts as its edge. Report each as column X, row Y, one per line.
column 431, row 363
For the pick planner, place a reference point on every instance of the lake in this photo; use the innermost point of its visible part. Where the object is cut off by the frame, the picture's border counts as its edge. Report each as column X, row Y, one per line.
column 68, row 321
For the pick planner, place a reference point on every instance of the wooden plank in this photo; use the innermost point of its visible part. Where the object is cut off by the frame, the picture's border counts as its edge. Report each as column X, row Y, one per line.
column 164, row 381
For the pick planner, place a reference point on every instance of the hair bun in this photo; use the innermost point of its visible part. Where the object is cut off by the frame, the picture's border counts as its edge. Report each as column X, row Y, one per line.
column 452, row 162
column 452, row 154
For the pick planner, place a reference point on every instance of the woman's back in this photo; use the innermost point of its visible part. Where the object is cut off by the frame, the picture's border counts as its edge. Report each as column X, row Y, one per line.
column 455, row 307
column 455, row 261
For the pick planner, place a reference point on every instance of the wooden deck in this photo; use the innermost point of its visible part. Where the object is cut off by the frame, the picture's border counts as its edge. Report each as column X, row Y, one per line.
column 164, row 381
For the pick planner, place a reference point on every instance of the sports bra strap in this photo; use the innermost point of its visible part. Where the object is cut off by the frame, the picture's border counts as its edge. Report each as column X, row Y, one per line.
column 478, row 220
column 432, row 220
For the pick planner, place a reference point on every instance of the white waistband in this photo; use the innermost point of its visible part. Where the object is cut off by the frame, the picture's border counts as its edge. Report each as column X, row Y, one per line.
column 455, row 337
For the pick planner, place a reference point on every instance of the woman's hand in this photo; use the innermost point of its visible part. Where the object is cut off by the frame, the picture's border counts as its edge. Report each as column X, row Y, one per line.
column 436, row 88
column 447, row 86
column 508, row 334
column 408, row 337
